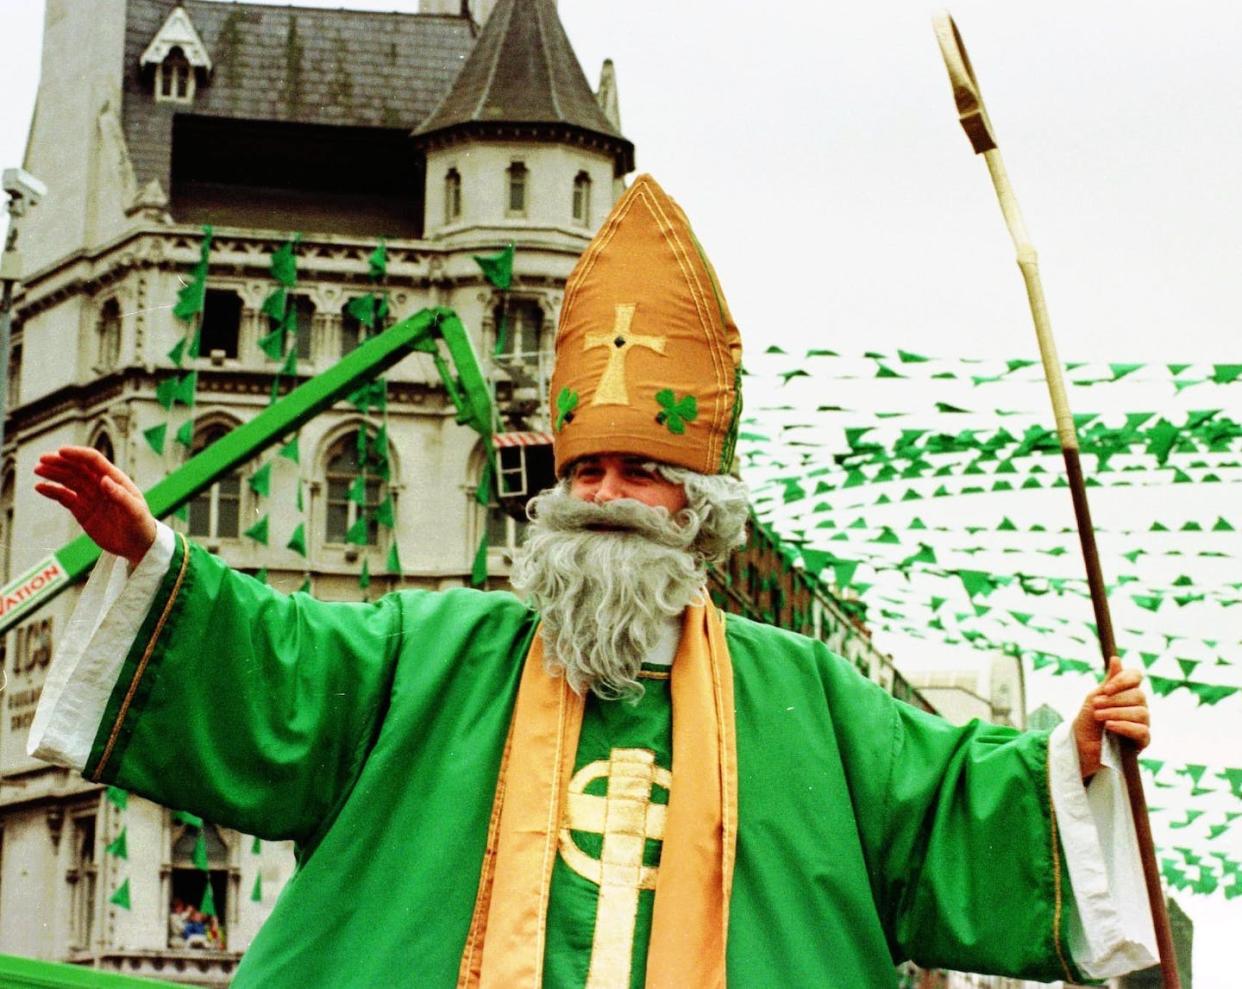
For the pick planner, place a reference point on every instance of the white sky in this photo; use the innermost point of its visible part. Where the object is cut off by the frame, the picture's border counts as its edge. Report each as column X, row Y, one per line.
column 815, row 147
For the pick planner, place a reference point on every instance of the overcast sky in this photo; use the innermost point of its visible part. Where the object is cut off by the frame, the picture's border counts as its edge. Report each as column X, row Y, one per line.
column 816, row 149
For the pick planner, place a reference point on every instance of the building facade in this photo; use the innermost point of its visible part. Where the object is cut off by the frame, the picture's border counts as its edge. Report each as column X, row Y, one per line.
column 443, row 135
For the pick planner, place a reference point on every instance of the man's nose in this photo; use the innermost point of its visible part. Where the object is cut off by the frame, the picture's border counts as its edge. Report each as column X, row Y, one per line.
column 609, row 488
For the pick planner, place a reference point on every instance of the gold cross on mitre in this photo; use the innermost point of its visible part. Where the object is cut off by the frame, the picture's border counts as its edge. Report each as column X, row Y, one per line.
column 611, row 389
column 627, row 819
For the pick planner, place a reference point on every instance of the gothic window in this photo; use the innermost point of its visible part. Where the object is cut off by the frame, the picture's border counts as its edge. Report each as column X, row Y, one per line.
column 582, row 199
column 343, row 506
column 452, row 195
column 304, row 315
column 216, row 512
column 103, row 444
column 221, row 326
column 108, row 350
column 196, row 919
column 522, row 336
column 174, row 79
column 351, row 330
column 516, row 199
column 82, row 877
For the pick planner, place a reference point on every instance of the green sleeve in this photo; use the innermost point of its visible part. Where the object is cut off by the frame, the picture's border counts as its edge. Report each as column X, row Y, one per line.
column 965, row 857
column 251, row 708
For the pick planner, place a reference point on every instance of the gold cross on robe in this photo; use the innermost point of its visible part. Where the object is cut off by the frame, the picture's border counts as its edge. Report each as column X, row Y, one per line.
column 611, row 389
column 627, row 819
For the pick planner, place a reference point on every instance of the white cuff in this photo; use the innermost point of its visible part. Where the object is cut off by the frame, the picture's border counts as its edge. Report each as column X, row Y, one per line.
column 89, row 658
column 1110, row 928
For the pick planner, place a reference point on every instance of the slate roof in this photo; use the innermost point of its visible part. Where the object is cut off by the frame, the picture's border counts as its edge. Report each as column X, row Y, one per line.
column 523, row 70
column 296, row 64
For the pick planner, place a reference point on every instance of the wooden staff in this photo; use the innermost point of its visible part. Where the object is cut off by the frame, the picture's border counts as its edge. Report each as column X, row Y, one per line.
column 974, row 120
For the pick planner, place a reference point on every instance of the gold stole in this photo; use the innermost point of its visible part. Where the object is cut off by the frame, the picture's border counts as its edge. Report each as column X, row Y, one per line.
column 504, row 947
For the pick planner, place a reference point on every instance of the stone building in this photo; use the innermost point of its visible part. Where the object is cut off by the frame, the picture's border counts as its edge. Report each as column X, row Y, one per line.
column 446, row 134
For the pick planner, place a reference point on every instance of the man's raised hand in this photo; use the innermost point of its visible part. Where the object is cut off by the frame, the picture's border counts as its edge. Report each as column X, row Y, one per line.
column 106, row 503
column 1117, row 705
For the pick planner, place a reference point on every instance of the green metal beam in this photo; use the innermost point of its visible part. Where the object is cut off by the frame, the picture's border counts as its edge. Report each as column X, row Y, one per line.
column 421, row 332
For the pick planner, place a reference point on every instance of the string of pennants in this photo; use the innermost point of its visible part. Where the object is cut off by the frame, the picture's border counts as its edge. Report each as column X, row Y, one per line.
column 984, row 371
column 861, row 492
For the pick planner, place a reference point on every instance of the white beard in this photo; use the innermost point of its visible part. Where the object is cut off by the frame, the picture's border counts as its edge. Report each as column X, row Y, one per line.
column 605, row 596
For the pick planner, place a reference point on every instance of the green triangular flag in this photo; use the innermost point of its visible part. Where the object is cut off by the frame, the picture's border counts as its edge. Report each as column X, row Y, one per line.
column 276, row 304
column 155, row 436
column 256, row 891
column 208, row 906
column 384, row 513
column 357, row 492
column 362, row 308
column 478, row 570
column 364, row 575
column 297, row 542
column 166, row 391
column 117, row 797
column 261, row 480
column 394, row 559
column 497, row 268
column 182, row 513
column 256, row 846
column 177, row 354
column 258, row 531
column 378, row 261
column 185, row 434
column 261, row 575
column 191, row 297
column 273, row 344
column 284, row 264
column 290, row 451
column 306, row 585
column 119, row 846
column 121, row 897
column 358, row 532
column 290, row 367
column 199, row 858
column 196, row 344
column 186, row 388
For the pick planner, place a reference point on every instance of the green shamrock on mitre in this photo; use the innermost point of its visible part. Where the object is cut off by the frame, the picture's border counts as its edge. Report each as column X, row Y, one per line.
column 677, row 412
column 566, row 402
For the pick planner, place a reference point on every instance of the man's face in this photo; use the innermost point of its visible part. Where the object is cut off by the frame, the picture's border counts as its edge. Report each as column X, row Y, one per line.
column 609, row 476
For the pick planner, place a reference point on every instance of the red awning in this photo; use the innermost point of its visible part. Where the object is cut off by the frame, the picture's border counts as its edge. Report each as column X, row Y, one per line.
column 522, row 439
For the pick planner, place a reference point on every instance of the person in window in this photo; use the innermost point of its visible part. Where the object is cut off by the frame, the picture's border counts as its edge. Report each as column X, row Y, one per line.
column 604, row 782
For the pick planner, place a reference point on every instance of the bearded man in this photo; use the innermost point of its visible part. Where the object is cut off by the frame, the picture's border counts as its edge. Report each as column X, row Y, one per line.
column 611, row 785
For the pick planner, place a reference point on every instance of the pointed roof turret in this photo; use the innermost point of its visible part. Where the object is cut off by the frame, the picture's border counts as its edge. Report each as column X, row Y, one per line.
column 523, row 79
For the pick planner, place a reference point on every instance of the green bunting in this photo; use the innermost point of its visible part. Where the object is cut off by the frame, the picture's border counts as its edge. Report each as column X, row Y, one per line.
column 155, row 437
column 260, row 482
column 498, row 268
column 256, row 891
column 199, row 857
column 119, row 846
column 121, row 897
column 259, row 531
column 297, row 541
column 117, row 797
column 208, row 904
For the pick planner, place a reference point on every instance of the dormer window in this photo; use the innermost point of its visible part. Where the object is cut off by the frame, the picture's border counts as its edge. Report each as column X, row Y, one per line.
column 452, row 195
column 582, row 199
column 177, row 55
column 516, row 198
column 174, row 79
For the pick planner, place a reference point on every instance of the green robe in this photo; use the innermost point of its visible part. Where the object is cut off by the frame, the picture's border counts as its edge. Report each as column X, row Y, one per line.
column 371, row 734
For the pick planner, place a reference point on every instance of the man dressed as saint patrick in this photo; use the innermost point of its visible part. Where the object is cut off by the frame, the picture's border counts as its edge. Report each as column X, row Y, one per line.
column 602, row 781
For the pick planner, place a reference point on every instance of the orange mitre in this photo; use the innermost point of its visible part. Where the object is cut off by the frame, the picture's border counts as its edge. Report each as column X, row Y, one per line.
column 648, row 359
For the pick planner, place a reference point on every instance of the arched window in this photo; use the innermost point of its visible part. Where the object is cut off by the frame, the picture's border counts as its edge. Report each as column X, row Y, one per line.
column 103, row 443
column 216, row 512
column 350, row 494
column 175, row 81
column 108, row 349
column 222, row 310
column 522, row 338
column 582, row 199
column 516, row 199
column 196, row 919
column 452, row 195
